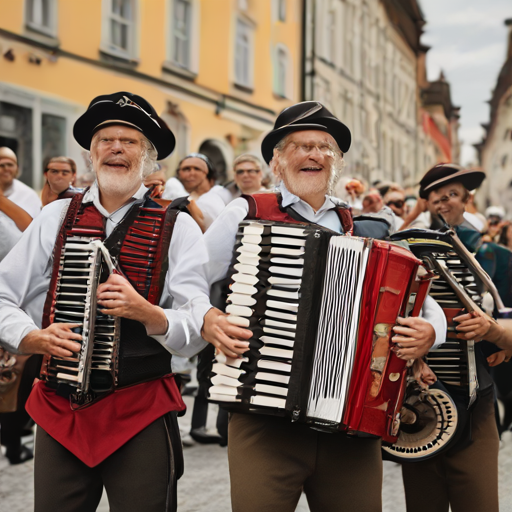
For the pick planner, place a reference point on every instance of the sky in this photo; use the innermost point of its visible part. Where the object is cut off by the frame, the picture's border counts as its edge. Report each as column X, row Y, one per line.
column 468, row 42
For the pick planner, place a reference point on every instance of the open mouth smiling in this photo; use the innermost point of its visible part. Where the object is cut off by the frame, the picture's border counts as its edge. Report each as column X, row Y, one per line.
column 312, row 169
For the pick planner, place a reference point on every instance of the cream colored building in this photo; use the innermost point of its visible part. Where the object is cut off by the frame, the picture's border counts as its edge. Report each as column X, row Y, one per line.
column 495, row 151
column 218, row 71
column 364, row 59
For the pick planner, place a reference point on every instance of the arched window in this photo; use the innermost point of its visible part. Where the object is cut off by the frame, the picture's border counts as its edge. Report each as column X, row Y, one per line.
column 281, row 72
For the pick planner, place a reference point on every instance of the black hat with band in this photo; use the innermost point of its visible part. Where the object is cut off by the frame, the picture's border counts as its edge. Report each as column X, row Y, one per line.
column 444, row 174
column 124, row 108
column 308, row 115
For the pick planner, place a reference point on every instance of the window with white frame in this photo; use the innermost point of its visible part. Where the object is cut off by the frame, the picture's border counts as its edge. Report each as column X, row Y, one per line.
column 41, row 16
column 281, row 72
column 181, row 33
column 243, row 54
column 120, row 27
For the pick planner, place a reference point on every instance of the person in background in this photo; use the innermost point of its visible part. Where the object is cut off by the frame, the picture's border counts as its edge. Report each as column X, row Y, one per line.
column 395, row 199
column 355, row 189
column 198, row 175
column 505, row 235
column 473, row 216
column 495, row 219
column 19, row 204
column 248, row 173
column 60, row 177
column 372, row 202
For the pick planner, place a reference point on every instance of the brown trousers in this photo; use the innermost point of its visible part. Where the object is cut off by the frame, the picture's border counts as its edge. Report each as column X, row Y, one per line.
column 467, row 480
column 137, row 477
column 271, row 461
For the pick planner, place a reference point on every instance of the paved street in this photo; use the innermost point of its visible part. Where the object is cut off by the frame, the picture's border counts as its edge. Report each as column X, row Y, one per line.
column 205, row 485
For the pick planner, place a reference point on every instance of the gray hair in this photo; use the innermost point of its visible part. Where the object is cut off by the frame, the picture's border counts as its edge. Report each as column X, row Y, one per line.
column 337, row 166
column 148, row 158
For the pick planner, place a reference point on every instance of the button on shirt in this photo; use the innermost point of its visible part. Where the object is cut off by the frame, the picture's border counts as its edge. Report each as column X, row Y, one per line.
column 26, row 271
column 220, row 240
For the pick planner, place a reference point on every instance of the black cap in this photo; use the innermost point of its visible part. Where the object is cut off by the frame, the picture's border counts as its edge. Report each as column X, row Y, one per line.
column 127, row 109
column 308, row 115
column 443, row 174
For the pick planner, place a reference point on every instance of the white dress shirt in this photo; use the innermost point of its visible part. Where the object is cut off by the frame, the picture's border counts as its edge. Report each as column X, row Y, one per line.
column 220, row 239
column 24, row 197
column 26, row 271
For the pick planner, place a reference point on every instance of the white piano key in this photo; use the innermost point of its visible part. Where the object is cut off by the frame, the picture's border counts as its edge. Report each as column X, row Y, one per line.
column 285, row 251
column 236, row 310
column 223, row 398
column 245, row 279
column 282, row 325
column 223, row 390
column 284, row 281
column 246, row 269
column 271, row 390
column 241, row 300
column 231, row 361
column 65, row 376
column 290, row 231
column 268, row 401
column 274, row 365
column 223, row 369
column 254, row 228
column 250, row 248
column 224, row 380
column 280, row 315
column 248, row 259
column 283, row 294
column 286, row 306
column 287, row 271
column 277, row 341
column 273, row 377
column 271, row 330
column 246, row 289
column 287, row 261
column 276, row 352
column 239, row 321
column 288, row 242
column 252, row 239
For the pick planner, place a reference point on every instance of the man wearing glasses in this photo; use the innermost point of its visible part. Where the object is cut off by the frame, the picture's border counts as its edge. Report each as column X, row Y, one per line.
column 395, row 199
column 248, row 174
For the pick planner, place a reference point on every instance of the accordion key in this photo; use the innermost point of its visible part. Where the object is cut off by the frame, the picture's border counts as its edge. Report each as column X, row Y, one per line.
column 321, row 308
column 83, row 265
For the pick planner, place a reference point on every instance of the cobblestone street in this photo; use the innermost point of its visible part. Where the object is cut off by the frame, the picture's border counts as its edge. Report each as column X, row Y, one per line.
column 205, row 485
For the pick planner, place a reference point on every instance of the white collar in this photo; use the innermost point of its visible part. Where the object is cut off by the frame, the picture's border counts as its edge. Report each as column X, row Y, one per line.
column 289, row 199
column 93, row 196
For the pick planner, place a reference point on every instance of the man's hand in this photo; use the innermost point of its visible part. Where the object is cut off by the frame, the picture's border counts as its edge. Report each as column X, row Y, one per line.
column 55, row 340
column 423, row 374
column 224, row 336
column 473, row 326
column 119, row 298
column 414, row 337
column 499, row 357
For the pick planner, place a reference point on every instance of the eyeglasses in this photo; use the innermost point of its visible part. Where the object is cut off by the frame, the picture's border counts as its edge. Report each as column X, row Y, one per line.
column 324, row 148
column 239, row 172
column 398, row 204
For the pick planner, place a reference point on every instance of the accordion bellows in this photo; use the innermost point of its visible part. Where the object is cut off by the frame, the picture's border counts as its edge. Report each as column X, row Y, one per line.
column 321, row 308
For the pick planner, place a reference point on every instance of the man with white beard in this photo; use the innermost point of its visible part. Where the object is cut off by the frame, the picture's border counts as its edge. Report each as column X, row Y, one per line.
column 126, row 441
column 273, row 460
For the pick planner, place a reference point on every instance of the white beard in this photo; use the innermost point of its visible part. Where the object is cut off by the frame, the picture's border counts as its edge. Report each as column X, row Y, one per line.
column 112, row 184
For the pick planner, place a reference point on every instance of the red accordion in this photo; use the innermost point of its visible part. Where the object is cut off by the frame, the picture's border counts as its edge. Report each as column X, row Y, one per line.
column 321, row 308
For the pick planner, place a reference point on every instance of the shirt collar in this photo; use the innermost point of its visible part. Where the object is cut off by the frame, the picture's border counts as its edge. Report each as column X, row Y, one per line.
column 93, row 196
column 291, row 199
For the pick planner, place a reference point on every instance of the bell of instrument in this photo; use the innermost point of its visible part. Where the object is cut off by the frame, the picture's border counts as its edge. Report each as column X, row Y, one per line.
column 428, row 424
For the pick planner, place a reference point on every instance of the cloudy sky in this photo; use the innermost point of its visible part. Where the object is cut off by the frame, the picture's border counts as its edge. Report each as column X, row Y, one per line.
column 468, row 40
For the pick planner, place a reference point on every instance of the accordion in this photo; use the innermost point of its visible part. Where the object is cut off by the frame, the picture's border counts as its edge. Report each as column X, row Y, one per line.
column 321, row 308
column 116, row 352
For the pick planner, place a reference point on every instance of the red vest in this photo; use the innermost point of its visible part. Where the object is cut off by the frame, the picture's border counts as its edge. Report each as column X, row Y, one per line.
column 268, row 207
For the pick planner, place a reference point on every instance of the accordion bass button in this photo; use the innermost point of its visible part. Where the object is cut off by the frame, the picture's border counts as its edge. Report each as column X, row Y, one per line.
column 393, row 377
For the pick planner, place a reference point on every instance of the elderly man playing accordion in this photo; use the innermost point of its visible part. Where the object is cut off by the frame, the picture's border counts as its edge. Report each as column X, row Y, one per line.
column 272, row 459
column 107, row 403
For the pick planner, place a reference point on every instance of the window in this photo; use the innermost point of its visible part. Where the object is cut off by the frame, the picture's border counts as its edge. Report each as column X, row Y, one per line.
column 41, row 16
column 281, row 73
column 330, row 36
column 281, row 10
column 243, row 54
column 120, row 28
column 181, row 33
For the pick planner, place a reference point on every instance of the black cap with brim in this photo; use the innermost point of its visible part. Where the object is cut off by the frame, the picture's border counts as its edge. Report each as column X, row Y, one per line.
column 127, row 109
column 444, row 174
column 308, row 115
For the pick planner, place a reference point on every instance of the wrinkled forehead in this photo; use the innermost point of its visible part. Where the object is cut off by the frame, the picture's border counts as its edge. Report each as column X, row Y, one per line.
column 10, row 162
column 311, row 137
column 118, row 131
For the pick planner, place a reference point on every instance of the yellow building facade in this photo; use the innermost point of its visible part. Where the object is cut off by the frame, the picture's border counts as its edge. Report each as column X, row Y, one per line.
column 217, row 71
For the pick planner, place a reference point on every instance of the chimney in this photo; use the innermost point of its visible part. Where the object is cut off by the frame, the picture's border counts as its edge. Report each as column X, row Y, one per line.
column 508, row 23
